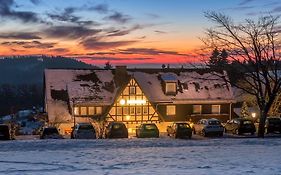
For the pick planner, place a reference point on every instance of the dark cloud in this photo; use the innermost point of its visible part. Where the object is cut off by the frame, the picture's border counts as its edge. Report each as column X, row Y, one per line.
column 70, row 32
column 116, row 58
column 118, row 32
column 153, row 15
column 20, row 35
column 148, row 51
column 243, row 2
column 98, row 44
column 160, row 32
column 6, row 11
column 67, row 15
column 60, row 50
column 35, row 2
column 118, row 17
column 101, row 8
column 28, row 45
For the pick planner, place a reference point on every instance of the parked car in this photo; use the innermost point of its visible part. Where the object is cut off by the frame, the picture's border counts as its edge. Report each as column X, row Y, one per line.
column 179, row 130
column 116, row 130
column 239, row 126
column 84, row 131
column 273, row 124
column 50, row 133
column 5, row 132
column 147, row 130
column 208, row 126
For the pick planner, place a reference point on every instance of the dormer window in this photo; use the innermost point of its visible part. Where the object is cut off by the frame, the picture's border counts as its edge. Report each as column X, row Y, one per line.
column 171, row 88
column 169, row 83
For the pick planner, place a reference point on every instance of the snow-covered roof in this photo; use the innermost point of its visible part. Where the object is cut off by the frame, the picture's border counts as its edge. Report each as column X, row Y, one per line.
column 192, row 88
column 98, row 87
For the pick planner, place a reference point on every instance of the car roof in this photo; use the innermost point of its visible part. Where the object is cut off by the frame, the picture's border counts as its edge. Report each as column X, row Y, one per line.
column 85, row 123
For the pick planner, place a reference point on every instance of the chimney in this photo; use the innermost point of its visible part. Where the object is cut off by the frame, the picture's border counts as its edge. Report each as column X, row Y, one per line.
column 121, row 76
column 121, row 71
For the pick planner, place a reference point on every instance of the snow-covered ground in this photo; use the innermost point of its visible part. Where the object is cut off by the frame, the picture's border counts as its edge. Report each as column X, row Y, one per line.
column 142, row 156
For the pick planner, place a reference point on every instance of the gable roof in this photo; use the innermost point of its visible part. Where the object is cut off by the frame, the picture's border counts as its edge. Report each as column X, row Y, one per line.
column 63, row 87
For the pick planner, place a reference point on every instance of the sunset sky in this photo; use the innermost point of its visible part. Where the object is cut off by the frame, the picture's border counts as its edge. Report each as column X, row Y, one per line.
column 119, row 31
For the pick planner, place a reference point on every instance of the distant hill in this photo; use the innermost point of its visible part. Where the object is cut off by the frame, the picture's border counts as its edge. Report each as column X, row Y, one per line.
column 21, row 80
column 30, row 69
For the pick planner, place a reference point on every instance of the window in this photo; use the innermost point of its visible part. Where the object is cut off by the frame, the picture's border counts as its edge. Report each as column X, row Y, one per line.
column 170, row 87
column 132, row 110
column 91, row 110
column 132, row 90
column 215, row 109
column 119, row 110
column 125, row 111
column 196, row 109
column 138, row 110
column 76, row 110
column 83, row 110
column 98, row 110
column 145, row 110
column 171, row 110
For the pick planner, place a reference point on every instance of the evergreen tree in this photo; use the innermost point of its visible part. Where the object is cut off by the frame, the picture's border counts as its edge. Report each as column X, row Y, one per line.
column 245, row 110
column 108, row 65
column 218, row 58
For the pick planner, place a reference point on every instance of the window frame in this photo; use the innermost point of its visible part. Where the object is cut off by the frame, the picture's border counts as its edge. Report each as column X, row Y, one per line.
column 219, row 109
column 200, row 112
column 169, row 113
column 171, row 83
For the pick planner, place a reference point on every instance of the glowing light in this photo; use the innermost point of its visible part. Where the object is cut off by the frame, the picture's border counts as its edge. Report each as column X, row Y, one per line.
column 128, row 117
column 254, row 115
column 136, row 102
column 122, row 102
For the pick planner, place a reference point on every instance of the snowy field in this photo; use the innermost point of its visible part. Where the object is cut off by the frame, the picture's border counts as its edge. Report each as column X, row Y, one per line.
column 142, row 156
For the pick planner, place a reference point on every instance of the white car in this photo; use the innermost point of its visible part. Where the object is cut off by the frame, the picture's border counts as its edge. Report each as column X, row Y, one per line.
column 84, row 131
column 208, row 126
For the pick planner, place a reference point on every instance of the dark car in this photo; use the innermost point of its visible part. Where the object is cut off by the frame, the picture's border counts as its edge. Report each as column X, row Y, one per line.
column 83, row 131
column 116, row 130
column 5, row 132
column 273, row 124
column 180, row 130
column 147, row 130
column 50, row 133
column 239, row 126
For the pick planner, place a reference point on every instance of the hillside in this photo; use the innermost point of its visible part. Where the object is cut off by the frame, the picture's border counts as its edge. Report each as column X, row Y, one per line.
column 21, row 80
column 30, row 69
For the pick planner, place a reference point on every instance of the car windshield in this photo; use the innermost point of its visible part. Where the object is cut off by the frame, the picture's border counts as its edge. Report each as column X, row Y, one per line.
column 214, row 122
column 247, row 122
column 118, row 126
column 150, row 127
column 50, row 131
column 274, row 120
column 86, row 127
column 183, row 125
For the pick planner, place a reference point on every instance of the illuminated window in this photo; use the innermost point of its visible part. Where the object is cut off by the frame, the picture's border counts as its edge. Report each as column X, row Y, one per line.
column 138, row 110
column 171, row 87
column 91, row 110
column 145, row 110
column 132, row 110
column 98, row 110
column 216, row 109
column 125, row 110
column 119, row 110
column 76, row 110
column 132, row 90
column 83, row 110
column 171, row 110
column 196, row 109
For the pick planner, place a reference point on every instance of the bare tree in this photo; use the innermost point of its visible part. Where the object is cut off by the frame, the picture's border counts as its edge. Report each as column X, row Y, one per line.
column 254, row 49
